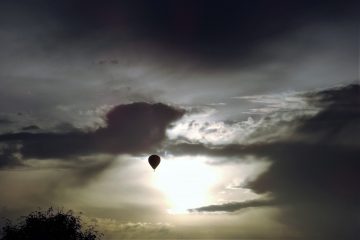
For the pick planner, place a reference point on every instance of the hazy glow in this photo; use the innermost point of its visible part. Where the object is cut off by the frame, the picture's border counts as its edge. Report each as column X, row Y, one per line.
column 185, row 181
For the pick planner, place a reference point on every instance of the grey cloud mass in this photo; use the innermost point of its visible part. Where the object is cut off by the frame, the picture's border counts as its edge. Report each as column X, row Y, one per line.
column 130, row 128
column 314, row 172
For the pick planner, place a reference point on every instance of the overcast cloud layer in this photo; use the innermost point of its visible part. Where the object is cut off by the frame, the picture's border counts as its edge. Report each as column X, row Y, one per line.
column 267, row 92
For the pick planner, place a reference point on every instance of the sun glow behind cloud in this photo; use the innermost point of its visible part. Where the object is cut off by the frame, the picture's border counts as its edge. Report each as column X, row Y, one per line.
column 186, row 182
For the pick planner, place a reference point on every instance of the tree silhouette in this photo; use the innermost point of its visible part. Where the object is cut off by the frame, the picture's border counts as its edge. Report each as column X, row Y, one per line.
column 49, row 225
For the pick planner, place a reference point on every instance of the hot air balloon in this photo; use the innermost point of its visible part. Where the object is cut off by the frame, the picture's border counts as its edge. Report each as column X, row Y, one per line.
column 154, row 161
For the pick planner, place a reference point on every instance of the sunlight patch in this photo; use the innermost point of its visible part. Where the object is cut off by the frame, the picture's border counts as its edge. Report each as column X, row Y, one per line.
column 186, row 182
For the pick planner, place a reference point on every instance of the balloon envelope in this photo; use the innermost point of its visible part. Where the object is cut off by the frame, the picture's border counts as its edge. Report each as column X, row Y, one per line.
column 154, row 161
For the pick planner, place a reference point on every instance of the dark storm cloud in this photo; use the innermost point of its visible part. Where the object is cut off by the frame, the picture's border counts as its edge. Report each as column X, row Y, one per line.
column 130, row 128
column 9, row 156
column 339, row 122
column 314, row 171
column 212, row 30
column 5, row 121
column 30, row 128
column 235, row 206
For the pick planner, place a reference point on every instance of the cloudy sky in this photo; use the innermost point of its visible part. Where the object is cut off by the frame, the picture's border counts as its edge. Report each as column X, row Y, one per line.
column 253, row 106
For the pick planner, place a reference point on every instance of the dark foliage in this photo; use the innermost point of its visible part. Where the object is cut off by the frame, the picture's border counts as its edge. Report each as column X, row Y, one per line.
column 49, row 225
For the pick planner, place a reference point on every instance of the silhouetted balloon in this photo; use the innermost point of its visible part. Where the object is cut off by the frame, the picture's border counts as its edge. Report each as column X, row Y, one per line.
column 154, row 161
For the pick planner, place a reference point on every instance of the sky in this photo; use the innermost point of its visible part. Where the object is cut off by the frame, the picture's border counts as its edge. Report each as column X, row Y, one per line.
column 253, row 107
